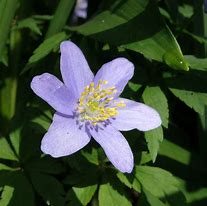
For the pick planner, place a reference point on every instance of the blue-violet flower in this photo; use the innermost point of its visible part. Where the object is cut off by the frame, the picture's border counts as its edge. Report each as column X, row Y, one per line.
column 88, row 105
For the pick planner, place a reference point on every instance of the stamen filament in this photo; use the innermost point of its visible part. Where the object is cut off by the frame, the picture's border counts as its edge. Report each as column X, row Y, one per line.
column 97, row 104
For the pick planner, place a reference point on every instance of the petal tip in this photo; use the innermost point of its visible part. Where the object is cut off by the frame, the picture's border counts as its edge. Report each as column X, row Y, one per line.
column 37, row 79
column 157, row 120
column 46, row 150
column 65, row 45
column 127, row 168
column 127, row 65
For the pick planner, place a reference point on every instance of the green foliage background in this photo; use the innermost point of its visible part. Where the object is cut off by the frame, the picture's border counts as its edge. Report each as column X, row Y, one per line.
column 166, row 41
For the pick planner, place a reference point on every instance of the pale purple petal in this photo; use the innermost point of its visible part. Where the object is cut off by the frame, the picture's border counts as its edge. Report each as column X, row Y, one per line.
column 54, row 92
column 115, row 146
column 81, row 8
column 64, row 137
column 117, row 72
column 75, row 71
column 136, row 116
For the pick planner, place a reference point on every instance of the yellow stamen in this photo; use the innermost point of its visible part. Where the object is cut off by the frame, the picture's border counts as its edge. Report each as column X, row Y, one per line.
column 97, row 104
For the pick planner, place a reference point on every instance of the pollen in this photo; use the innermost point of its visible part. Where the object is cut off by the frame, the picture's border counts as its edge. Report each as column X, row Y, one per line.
column 97, row 103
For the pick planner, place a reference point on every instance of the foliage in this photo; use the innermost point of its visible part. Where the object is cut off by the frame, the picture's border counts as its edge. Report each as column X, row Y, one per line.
column 166, row 41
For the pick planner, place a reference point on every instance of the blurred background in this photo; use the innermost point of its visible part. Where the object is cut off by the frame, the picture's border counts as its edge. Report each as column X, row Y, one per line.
column 167, row 42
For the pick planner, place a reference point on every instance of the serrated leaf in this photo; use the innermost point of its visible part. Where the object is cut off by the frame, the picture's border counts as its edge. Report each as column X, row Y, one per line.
column 153, row 39
column 91, row 157
column 47, row 46
column 130, row 181
column 153, row 139
column 108, row 196
column 190, row 88
column 134, row 87
column 50, row 189
column 125, row 179
column 195, row 100
column 81, row 196
column 186, row 10
column 5, row 150
column 29, row 23
column 151, row 199
column 145, row 158
column 156, row 180
column 154, row 97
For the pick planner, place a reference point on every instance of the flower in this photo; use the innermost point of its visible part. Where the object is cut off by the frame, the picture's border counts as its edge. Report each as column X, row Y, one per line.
column 80, row 10
column 88, row 106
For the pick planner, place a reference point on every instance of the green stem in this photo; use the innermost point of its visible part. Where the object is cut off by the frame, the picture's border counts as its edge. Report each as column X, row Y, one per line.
column 60, row 18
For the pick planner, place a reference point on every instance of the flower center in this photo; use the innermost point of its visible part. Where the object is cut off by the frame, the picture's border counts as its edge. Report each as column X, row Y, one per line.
column 97, row 103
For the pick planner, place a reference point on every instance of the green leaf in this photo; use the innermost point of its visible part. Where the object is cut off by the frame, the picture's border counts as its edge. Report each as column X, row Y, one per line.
column 8, row 100
column 47, row 46
column 134, row 87
column 61, row 15
column 145, row 158
column 49, row 188
column 15, row 138
column 195, row 100
column 187, row 160
column 153, row 38
column 108, row 196
column 5, row 150
column 6, row 195
column 4, row 58
column 195, row 195
column 151, row 199
column 153, row 139
column 127, row 180
column 81, row 196
column 7, row 12
column 197, row 63
column 193, row 94
column 29, row 23
column 156, row 180
column 91, row 157
column 46, row 165
column 199, row 39
column 26, row 141
column 44, row 118
column 23, row 193
column 154, row 97
column 4, row 167
column 173, row 151
column 186, row 10
column 130, row 181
